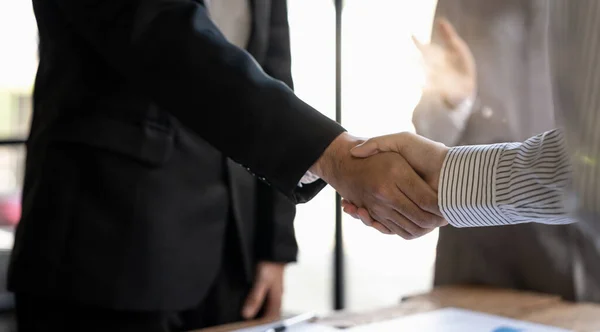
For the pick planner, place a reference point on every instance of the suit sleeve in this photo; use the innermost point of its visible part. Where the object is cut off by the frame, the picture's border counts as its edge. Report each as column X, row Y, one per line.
column 170, row 49
column 276, row 239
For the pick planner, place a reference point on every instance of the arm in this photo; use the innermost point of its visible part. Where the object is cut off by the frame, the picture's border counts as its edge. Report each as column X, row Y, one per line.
column 487, row 185
column 507, row 183
column 171, row 50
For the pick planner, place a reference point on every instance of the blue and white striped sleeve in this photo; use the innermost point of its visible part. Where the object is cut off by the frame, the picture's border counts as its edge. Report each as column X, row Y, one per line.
column 508, row 183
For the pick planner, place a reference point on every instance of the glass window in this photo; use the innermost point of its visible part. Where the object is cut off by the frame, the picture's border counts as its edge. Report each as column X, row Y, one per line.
column 18, row 64
column 381, row 85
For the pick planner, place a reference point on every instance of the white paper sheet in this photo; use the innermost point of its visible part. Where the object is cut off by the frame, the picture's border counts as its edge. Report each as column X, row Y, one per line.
column 454, row 320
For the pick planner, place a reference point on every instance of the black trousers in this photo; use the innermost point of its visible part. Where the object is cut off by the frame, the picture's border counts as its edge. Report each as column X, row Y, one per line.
column 222, row 305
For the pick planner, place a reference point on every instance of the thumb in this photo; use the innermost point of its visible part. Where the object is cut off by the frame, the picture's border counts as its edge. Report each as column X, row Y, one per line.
column 255, row 300
column 366, row 149
column 387, row 143
column 424, row 156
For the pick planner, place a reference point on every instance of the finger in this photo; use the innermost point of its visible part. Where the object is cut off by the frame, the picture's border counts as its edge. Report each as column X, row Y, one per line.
column 447, row 32
column 346, row 204
column 401, row 225
column 255, row 299
column 416, row 200
column 426, row 157
column 273, row 305
column 456, row 45
column 381, row 228
column 375, row 145
column 418, row 218
column 410, row 183
column 365, row 149
column 414, row 230
column 417, row 43
column 384, row 219
column 351, row 211
column 367, row 220
column 349, row 208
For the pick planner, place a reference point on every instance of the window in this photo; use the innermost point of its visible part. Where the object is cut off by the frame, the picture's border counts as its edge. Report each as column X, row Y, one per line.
column 380, row 87
column 18, row 64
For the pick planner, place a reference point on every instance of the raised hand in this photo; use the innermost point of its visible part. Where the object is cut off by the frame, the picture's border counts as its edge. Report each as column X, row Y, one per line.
column 449, row 64
column 426, row 157
column 450, row 86
column 384, row 185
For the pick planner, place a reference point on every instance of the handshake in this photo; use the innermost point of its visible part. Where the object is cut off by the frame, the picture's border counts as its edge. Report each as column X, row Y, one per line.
column 389, row 182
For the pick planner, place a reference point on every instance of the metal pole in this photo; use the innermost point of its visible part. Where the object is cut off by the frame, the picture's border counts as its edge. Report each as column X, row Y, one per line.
column 339, row 293
column 13, row 141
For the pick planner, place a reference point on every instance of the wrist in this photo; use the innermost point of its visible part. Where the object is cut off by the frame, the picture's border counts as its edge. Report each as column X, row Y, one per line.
column 328, row 164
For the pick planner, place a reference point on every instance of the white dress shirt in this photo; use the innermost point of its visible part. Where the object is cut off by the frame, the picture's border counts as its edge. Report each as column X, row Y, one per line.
column 551, row 178
column 233, row 18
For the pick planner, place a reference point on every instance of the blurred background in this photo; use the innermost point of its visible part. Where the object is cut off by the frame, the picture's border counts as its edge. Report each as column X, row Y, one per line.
column 380, row 87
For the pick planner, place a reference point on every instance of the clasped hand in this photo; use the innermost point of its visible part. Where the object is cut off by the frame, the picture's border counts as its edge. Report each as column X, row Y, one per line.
column 389, row 182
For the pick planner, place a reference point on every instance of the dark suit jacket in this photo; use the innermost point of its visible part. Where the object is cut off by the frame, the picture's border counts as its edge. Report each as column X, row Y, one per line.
column 134, row 102
column 264, row 217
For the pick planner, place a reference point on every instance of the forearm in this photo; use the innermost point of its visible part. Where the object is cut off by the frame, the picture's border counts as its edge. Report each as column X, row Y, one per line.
column 507, row 183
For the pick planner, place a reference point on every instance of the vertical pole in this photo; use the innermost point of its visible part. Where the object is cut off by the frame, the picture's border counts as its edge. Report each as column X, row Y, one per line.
column 339, row 294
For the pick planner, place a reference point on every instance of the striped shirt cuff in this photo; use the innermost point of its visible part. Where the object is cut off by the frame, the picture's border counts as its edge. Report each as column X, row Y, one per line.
column 467, row 186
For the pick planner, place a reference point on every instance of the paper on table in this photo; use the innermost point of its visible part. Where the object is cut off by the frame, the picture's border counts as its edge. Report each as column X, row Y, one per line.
column 305, row 327
column 455, row 320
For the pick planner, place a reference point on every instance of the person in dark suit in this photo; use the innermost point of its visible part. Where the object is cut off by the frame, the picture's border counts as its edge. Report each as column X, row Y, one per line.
column 136, row 105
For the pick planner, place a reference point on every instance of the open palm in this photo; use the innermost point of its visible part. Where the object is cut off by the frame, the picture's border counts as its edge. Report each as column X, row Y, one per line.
column 450, row 67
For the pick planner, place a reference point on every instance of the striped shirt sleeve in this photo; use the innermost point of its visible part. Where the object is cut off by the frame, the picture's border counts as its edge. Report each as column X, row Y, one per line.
column 508, row 183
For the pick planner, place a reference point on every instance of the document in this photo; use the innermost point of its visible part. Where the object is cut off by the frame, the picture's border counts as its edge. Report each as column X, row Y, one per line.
column 454, row 320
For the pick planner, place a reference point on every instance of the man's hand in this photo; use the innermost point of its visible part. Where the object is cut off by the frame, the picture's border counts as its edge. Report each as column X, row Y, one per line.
column 450, row 88
column 267, row 291
column 426, row 157
column 385, row 185
column 449, row 64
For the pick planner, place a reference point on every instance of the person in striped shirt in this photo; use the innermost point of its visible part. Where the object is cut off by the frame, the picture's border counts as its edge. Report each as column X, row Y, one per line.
column 551, row 178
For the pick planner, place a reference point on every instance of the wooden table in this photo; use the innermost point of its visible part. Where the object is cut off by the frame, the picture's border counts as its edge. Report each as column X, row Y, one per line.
column 538, row 308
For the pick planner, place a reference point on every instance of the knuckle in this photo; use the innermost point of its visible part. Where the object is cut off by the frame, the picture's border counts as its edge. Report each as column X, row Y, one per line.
column 382, row 190
column 403, row 206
